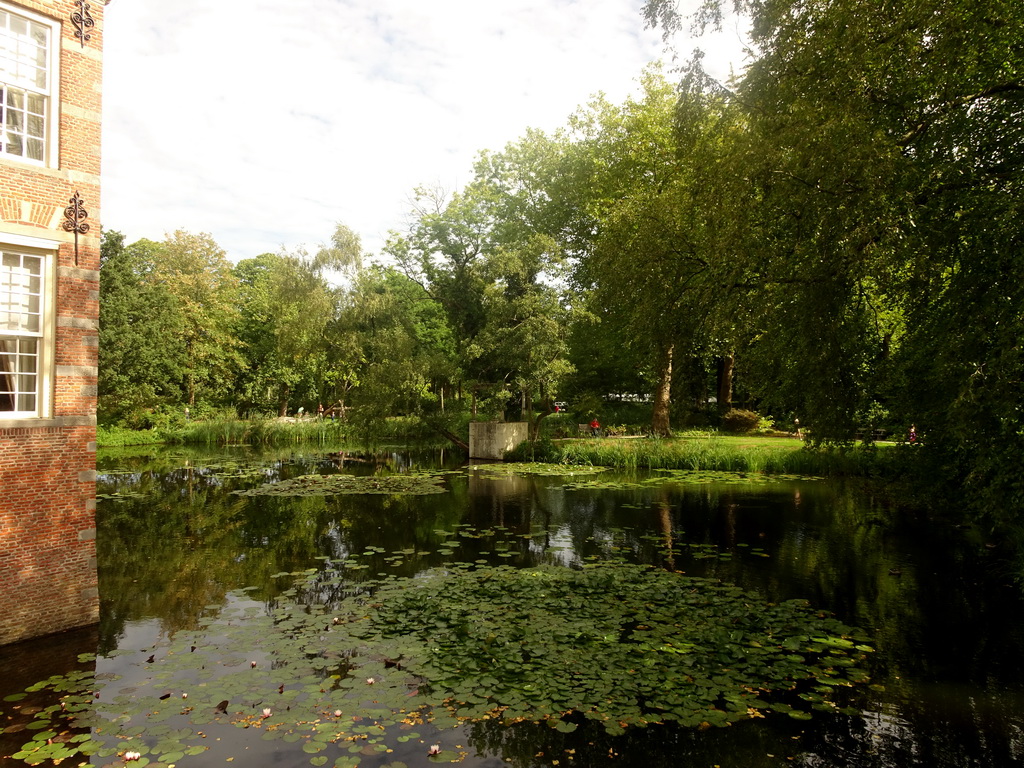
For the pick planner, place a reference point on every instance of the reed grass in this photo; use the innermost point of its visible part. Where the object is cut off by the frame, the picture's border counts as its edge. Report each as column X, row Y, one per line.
column 227, row 431
column 712, row 453
column 231, row 431
column 115, row 437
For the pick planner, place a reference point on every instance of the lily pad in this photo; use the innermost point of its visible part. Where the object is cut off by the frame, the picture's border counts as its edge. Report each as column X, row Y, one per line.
column 539, row 468
column 420, row 483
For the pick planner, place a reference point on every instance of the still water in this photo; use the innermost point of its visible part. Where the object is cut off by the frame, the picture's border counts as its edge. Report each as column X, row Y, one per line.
column 175, row 545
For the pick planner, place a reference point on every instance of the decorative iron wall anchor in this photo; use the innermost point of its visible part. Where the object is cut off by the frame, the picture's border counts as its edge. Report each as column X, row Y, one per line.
column 74, row 220
column 82, row 20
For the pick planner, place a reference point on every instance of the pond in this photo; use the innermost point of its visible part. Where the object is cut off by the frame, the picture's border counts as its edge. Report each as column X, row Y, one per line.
column 264, row 599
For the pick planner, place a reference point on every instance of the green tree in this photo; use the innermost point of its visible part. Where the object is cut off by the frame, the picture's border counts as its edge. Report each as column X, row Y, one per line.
column 884, row 159
column 286, row 304
column 647, row 264
column 482, row 257
column 197, row 273
column 140, row 360
column 395, row 344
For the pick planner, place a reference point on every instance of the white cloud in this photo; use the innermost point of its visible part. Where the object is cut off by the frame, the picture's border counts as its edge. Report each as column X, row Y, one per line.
column 265, row 123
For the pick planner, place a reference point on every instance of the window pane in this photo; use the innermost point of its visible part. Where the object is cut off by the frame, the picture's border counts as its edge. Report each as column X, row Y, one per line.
column 14, row 144
column 19, row 380
column 31, row 322
column 25, row 57
column 21, row 290
column 28, row 359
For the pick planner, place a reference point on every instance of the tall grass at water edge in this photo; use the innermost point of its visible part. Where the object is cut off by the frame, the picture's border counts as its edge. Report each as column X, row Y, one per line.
column 713, row 454
column 228, row 431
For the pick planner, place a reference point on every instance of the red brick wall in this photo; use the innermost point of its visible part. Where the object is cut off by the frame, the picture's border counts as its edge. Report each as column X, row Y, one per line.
column 47, row 526
column 47, row 465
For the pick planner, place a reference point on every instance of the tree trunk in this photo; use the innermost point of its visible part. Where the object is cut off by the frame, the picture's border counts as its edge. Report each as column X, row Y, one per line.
column 282, row 401
column 663, row 395
column 725, row 368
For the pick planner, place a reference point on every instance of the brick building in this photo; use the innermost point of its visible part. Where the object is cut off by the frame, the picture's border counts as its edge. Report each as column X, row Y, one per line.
column 50, row 94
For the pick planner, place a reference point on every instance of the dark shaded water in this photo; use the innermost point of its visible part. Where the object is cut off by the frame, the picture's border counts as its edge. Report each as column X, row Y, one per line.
column 949, row 679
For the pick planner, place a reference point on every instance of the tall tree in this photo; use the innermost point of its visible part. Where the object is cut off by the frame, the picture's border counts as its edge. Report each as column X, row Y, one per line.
column 396, row 346
column 285, row 309
column 886, row 148
column 197, row 273
column 140, row 360
column 646, row 260
column 482, row 257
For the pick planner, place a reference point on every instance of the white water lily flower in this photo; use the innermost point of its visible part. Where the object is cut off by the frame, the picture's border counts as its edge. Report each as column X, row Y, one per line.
column 266, row 712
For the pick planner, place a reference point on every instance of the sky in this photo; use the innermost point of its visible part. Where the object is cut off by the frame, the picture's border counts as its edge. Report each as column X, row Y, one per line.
column 265, row 123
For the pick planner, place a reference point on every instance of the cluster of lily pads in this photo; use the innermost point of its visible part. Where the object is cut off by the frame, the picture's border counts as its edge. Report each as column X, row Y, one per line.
column 537, row 468
column 687, row 477
column 413, row 483
column 432, row 481
column 346, row 668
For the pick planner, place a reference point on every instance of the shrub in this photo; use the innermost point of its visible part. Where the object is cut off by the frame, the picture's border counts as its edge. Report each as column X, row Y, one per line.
column 542, row 450
column 740, row 422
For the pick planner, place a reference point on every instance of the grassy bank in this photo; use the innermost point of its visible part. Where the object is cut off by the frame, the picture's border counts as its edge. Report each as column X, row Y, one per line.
column 698, row 451
column 715, row 452
column 229, row 431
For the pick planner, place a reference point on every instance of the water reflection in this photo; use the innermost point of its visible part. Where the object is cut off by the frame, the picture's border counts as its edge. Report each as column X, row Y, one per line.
column 173, row 542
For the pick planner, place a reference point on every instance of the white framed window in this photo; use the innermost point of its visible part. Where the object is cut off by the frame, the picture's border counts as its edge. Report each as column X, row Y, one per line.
column 28, row 85
column 25, row 332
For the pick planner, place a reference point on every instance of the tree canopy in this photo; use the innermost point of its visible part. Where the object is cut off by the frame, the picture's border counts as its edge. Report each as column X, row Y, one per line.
column 834, row 236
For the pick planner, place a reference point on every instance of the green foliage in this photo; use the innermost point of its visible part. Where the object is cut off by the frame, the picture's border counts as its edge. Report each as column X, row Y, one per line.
column 285, row 309
column 651, row 269
column 876, row 219
column 112, row 436
column 415, row 483
column 529, row 645
column 140, row 357
column 390, row 349
column 233, row 431
column 740, row 421
column 197, row 273
column 463, row 645
column 486, row 257
column 541, row 450
column 843, row 222
column 782, row 456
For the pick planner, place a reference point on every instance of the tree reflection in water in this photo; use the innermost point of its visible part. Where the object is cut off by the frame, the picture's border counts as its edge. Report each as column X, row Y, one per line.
column 173, row 542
